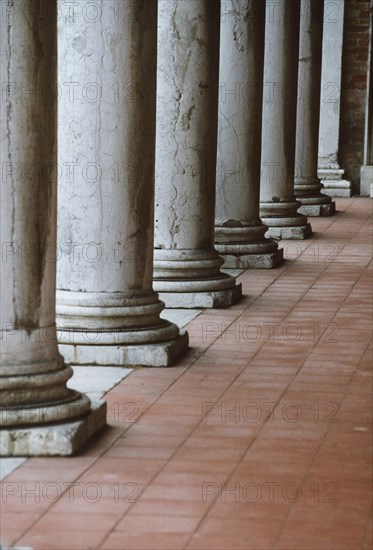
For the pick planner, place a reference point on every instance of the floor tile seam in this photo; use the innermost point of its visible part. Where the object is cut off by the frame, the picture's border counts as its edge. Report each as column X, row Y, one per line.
column 324, row 436
column 120, row 435
column 206, row 349
column 14, row 470
column 256, row 438
column 310, row 242
column 25, row 531
column 48, row 508
column 365, row 543
column 197, row 426
column 172, row 456
column 128, row 375
column 351, row 287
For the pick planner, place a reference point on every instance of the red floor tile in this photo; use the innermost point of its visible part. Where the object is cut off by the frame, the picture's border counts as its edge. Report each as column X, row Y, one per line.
column 260, row 438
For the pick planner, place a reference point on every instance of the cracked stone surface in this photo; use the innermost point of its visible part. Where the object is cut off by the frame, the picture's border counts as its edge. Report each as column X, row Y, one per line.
column 106, row 307
column 35, row 400
column 185, row 260
column 307, row 185
column 330, row 172
column 278, row 206
column 239, row 232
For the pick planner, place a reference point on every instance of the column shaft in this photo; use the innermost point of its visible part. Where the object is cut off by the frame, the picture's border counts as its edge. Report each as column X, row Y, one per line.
column 278, row 207
column 366, row 172
column 187, row 267
column 307, row 185
column 39, row 415
column 329, row 170
column 239, row 232
column 107, row 311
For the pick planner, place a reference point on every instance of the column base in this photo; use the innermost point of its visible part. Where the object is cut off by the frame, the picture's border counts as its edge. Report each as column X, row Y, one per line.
column 296, row 232
column 202, row 300
column 283, row 220
column 335, row 189
column 312, row 201
column 116, row 329
column 327, row 209
column 333, row 182
column 162, row 354
column 188, row 278
column 59, row 439
column 252, row 261
column 366, row 181
column 244, row 246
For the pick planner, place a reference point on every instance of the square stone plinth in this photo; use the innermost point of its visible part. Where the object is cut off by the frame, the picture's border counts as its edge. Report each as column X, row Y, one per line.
column 366, row 181
column 317, row 209
column 253, row 261
column 202, row 300
column 162, row 354
column 60, row 439
column 336, row 188
column 294, row 232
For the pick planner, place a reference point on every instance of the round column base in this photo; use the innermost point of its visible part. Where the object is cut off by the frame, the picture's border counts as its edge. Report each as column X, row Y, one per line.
column 55, row 439
column 192, row 279
column 98, row 328
column 244, row 247
column 161, row 354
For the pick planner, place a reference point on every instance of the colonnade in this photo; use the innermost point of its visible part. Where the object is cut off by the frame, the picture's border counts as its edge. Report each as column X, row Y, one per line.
column 173, row 170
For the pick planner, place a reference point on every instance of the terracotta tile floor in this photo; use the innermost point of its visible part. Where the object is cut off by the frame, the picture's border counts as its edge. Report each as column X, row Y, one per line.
column 260, row 438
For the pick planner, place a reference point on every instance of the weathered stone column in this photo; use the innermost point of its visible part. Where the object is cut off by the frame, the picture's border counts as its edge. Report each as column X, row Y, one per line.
column 307, row 185
column 38, row 414
column 239, row 232
column 187, row 266
column 278, row 207
column 329, row 170
column 107, row 311
column 366, row 173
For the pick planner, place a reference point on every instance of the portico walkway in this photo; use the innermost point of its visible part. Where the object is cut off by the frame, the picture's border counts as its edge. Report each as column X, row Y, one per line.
column 259, row 438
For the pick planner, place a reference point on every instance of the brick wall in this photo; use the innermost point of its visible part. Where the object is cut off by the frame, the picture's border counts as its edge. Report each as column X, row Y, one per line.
column 353, row 89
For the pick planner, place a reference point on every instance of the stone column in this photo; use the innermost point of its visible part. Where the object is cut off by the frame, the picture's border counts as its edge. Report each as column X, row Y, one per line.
column 366, row 175
column 329, row 171
column 107, row 311
column 307, row 185
column 278, row 207
column 187, row 266
column 39, row 415
column 239, row 232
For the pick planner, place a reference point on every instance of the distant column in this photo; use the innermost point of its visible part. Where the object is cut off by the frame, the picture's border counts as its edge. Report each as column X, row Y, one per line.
column 278, row 207
column 307, row 185
column 39, row 415
column 239, row 231
column 187, row 266
column 329, row 170
column 366, row 179
column 107, row 311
